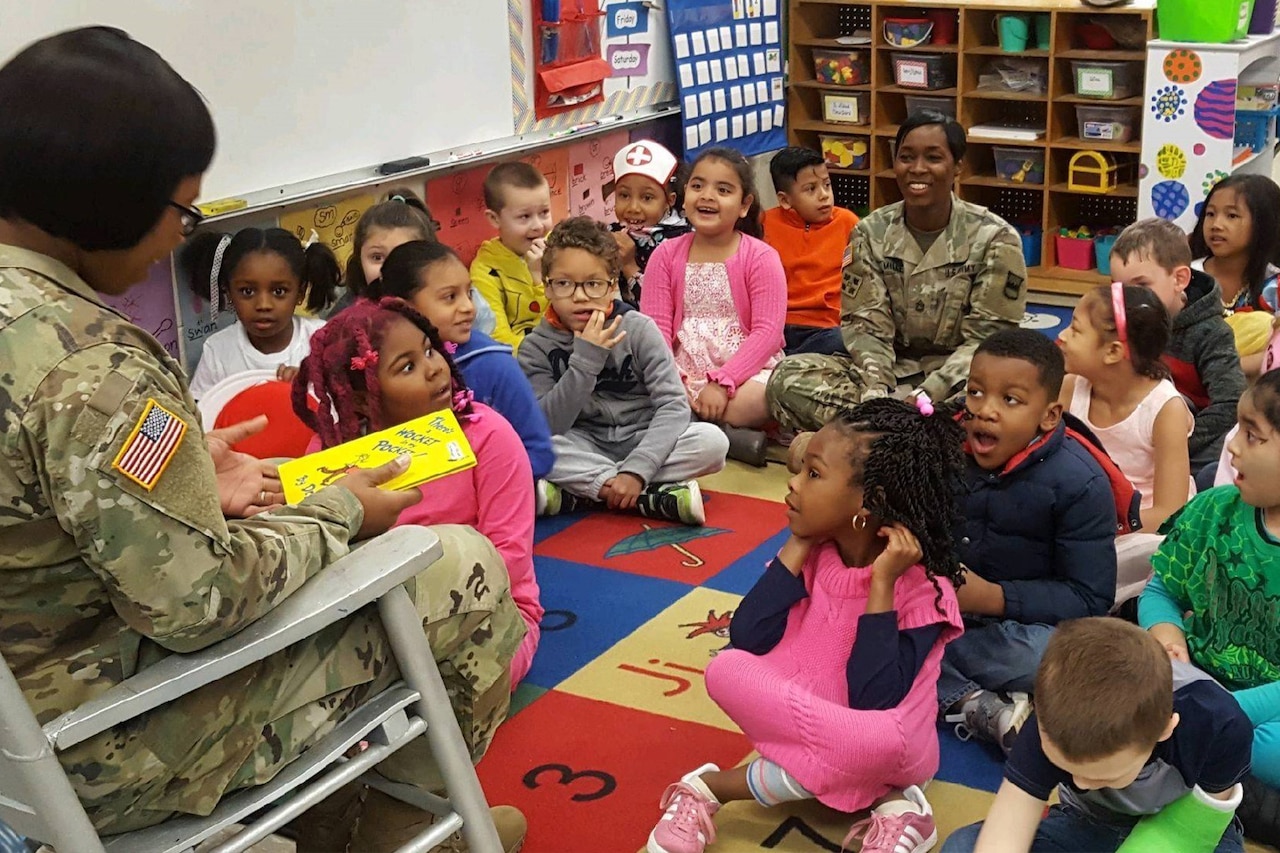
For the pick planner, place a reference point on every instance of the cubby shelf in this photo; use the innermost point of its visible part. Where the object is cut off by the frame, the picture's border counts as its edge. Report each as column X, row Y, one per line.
column 1051, row 205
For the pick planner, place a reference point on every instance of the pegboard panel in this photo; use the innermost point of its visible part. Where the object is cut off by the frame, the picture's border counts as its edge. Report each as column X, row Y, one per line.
column 1017, row 205
column 1106, row 210
column 852, row 18
column 852, row 192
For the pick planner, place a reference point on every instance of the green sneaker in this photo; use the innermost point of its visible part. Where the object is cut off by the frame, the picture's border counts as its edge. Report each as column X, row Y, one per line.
column 674, row 502
column 553, row 500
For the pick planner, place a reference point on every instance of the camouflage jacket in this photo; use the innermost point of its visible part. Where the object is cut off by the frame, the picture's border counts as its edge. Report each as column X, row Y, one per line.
column 905, row 313
column 100, row 574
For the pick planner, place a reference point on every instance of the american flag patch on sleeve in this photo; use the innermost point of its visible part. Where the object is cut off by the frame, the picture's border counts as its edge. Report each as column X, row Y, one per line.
column 151, row 446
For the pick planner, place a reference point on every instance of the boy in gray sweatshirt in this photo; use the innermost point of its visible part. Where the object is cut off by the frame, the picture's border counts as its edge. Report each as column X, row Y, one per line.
column 608, row 385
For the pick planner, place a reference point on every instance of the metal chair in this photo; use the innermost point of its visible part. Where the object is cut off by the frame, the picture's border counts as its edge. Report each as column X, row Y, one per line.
column 37, row 800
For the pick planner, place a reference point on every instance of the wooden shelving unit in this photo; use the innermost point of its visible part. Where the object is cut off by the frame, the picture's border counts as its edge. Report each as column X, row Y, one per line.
column 1051, row 205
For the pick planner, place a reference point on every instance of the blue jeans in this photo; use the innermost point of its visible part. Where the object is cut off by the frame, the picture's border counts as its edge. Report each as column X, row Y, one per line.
column 1068, row 830
column 992, row 654
column 814, row 339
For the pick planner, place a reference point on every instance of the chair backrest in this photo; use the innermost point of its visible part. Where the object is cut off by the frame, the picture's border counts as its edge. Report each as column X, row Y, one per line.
column 31, row 776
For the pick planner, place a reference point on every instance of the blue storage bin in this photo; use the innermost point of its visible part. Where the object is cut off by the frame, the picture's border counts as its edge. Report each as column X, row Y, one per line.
column 1102, row 250
column 1253, row 127
column 1032, row 241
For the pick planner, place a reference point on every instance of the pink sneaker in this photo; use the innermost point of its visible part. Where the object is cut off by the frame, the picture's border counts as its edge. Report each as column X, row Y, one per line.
column 898, row 826
column 685, row 826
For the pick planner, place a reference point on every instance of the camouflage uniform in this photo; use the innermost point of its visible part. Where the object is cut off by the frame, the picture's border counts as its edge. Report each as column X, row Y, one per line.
column 100, row 577
column 907, row 315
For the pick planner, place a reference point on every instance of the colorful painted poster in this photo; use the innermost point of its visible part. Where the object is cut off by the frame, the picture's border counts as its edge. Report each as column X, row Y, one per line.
column 332, row 222
column 149, row 304
column 591, row 175
column 456, row 202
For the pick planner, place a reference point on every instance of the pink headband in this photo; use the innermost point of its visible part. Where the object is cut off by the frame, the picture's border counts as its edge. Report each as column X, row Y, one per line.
column 1122, row 319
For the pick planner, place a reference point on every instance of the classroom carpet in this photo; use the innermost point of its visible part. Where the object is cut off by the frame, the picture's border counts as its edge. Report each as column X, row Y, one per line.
column 615, row 707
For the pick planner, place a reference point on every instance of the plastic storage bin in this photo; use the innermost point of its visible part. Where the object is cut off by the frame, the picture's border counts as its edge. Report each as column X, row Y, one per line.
column 841, row 67
column 1106, row 124
column 853, row 108
column 1264, row 17
column 1196, row 20
column 946, row 106
column 1102, row 248
column 1074, row 253
column 1032, row 240
column 923, row 70
column 1020, row 165
column 845, row 152
column 907, row 32
column 1254, row 127
column 1108, row 81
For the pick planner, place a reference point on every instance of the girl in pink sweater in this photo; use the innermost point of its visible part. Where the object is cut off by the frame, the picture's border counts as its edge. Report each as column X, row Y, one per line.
column 377, row 364
column 719, row 295
column 837, row 648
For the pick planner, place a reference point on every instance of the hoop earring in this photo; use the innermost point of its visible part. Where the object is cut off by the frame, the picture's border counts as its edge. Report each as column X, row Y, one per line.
column 859, row 522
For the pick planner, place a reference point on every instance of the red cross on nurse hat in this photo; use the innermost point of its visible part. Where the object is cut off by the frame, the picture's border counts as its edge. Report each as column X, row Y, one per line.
column 647, row 158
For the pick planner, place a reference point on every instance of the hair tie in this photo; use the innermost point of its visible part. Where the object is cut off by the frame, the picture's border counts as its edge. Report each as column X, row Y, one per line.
column 398, row 198
column 369, row 359
column 450, row 347
column 215, row 272
column 924, row 404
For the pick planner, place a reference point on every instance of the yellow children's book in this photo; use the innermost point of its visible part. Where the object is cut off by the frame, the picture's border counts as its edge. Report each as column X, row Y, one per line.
column 435, row 443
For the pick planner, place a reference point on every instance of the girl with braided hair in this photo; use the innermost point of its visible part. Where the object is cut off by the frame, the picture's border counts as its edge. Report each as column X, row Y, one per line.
column 838, row 646
column 378, row 364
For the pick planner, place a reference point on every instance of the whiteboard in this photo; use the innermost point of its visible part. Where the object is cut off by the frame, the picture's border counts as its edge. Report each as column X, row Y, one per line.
column 305, row 88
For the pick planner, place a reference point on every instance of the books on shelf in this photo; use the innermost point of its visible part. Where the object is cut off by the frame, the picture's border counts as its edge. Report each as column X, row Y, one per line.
column 1013, row 133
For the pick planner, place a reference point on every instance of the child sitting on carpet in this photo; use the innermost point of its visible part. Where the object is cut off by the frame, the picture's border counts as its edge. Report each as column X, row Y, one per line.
column 644, row 199
column 432, row 278
column 608, row 385
column 1120, row 390
column 1039, row 533
column 836, row 649
column 1213, row 598
column 378, row 364
column 1146, row 757
column 719, row 297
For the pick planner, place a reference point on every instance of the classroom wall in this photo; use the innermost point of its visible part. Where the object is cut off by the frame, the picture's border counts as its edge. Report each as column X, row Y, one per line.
column 580, row 173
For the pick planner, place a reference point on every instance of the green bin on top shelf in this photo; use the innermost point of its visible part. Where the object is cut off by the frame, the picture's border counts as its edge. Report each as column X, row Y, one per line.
column 1200, row 21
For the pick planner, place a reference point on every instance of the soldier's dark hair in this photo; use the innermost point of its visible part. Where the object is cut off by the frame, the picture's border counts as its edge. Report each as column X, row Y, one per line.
column 910, row 467
column 315, row 267
column 749, row 224
column 402, row 270
column 400, row 208
column 98, row 131
column 1147, row 326
column 341, row 372
column 585, row 233
column 1035, row 349
column 789, row 162
column 954, row 131
column 503, row 176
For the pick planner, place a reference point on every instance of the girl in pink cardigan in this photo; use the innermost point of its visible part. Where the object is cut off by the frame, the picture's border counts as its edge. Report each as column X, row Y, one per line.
column 377, row 364
column 719, row 295
column 836, row 650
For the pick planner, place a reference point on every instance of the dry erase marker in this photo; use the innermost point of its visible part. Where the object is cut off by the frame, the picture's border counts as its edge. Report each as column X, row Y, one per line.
column 221, row 206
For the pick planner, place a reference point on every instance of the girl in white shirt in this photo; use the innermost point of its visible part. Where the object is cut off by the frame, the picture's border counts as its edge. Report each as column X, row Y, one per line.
column 263, row 275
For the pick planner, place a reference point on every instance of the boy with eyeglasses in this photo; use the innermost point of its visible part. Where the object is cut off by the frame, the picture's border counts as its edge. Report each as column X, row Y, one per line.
column 621, row 426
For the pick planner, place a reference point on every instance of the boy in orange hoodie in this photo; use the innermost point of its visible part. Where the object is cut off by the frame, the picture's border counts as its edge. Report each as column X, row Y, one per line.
column 812, row 236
